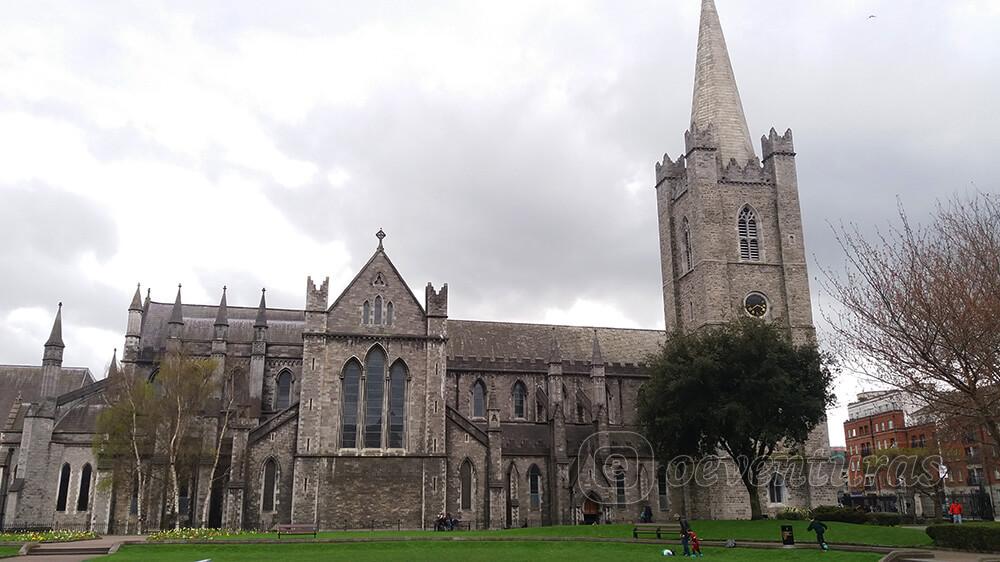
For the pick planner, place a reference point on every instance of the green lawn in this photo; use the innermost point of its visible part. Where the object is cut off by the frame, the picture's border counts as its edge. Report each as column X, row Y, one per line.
column 711, row 530
column 6, row 551
column 455, row 551
column 846, row 533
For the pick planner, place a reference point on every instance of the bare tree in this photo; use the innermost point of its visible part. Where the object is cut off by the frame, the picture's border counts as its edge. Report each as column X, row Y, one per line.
column 227, row 393
column 185, row 390
column 920, row 308
column 126, row 432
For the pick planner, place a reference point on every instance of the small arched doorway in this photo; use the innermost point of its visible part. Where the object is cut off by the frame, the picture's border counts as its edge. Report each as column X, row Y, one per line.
column 591, row 509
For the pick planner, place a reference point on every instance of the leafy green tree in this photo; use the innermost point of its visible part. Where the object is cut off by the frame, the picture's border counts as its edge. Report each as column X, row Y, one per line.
column 743, row 388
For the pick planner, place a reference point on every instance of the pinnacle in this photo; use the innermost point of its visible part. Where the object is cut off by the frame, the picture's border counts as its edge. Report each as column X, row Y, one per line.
column 55, row 336
column 261, row 312
column 136, row 300
column 222, row 317
column 177, row 314
column 597, row 358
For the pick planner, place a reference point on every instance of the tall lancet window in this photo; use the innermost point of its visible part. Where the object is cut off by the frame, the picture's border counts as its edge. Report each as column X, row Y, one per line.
column 686, row 239
column 479, row 400
column 351, row 385
column 397, row 403
column 374, row 391
column 747, row 226
column 366, row 313
column 283, row 392
column 378, row 311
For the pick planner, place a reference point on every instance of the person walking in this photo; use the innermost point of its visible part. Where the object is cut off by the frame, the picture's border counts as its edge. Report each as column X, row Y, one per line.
column 685, row 534
column 695, row 545
column 819, row 528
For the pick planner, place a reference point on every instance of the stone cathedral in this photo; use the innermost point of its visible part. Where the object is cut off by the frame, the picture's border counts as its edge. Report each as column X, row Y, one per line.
column 371, row 403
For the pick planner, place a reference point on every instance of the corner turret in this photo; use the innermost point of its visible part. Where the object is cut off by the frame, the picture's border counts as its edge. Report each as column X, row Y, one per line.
column 133, row 330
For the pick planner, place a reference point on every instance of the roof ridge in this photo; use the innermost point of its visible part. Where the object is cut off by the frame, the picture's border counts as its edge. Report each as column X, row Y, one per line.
column 450, row 320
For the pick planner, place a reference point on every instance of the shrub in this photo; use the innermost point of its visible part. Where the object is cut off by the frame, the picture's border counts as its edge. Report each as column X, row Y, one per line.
column 793, row 514
column 910, row 519
column 966, row 537
column 884, row 519
column 836, row 513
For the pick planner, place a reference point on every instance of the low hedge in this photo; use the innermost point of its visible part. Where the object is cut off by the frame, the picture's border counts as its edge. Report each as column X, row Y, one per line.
column 792, row 514
column 985, row 538
column 842, row 514
column 884, row 519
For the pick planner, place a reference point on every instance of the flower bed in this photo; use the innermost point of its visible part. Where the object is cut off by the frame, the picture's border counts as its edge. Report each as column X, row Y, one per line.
column 187, row 533
column 48, row 536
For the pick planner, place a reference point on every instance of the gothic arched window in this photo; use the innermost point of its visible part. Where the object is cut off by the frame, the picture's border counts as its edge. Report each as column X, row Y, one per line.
column 747, row 226
column 520, row 395
column 63, row 488
column 776, row 488
column 389, row 313
column 83, row 497
column 661, row 488
column 535, row 486
column 620, row 486
column 268, row 482
column 374, row 390
column 366, row 313
column 466, row 481
column 686, row 240
column 283, row 392
column 479, row 400
column 397, row 403
column 378, row 311
column 350, row 386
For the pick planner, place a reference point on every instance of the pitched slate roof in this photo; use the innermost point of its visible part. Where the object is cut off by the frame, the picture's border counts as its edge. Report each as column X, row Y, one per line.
column 26, row 382
column 284, row 325
column 474, row 338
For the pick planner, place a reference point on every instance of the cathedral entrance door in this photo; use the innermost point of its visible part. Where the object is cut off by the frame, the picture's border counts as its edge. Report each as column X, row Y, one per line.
column 591, row 511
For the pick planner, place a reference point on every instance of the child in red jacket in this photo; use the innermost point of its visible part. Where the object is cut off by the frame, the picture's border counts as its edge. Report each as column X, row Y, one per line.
column 695, row 544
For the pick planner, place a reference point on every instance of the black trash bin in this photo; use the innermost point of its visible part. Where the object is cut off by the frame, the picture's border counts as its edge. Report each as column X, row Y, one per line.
column 787, row 535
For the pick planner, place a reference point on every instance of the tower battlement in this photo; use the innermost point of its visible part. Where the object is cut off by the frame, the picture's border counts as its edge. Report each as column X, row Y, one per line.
column 774, row 144
column 317, row 298
column 436, row 302
column 702, row 138
column 669, row 169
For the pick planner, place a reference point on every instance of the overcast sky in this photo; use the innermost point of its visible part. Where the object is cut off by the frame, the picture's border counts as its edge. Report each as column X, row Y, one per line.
column 507, row 148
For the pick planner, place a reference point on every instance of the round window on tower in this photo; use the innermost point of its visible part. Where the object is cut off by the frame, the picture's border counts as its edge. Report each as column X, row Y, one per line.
column 755, row 304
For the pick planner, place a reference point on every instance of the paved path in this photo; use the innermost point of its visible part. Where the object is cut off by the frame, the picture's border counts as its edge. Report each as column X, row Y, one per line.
column 103, row 542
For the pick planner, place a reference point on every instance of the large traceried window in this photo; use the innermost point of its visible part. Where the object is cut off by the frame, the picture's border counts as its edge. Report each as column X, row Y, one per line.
column 351, row 385
column 686, row 240
column 479, row 400
column 63, row 488
column 466, row 481
column 268, row 483
column 535, row 486
column 397, row 403
column 83, row 497
column 374, row 390
column 283, row 392
column 520, row 396
column 749, row 242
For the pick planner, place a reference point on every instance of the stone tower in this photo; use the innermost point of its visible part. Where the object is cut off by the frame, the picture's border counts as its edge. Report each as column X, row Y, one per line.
column 730, row 227
column 731, row 237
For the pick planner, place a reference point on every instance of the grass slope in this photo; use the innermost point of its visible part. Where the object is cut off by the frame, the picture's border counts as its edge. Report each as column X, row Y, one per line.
column 455, row 552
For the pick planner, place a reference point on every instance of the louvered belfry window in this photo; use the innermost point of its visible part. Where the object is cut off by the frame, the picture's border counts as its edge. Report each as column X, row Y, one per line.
column 749, row 241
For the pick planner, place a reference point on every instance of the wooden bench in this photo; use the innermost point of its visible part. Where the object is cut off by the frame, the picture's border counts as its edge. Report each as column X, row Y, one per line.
column 296, row 530
column 659, row 530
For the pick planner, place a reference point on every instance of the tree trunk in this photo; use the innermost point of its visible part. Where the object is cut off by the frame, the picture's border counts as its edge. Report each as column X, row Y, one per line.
column 175, row 491
column 749, row 481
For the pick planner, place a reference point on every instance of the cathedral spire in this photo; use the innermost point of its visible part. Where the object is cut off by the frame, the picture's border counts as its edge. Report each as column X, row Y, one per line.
column 716, row 98
column 222, row 317
column 596, row 357
column 113, row 367
column 136, row 300
column 261, row 321
column 177, row 313
column 55, row 336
